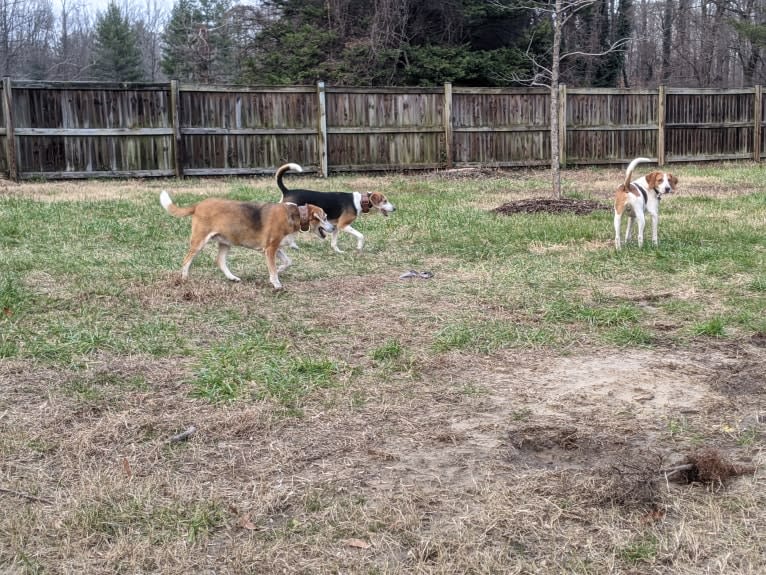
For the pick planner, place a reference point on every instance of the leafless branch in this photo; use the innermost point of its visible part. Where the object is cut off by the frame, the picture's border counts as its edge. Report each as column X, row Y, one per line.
column 184, row 435
column 617, row 46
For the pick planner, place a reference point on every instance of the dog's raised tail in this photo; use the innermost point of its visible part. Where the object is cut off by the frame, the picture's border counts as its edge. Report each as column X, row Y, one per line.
column 173, row 209
column 281, row 172
column 631, row 167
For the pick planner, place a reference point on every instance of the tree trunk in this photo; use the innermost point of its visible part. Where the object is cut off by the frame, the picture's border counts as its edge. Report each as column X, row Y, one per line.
column 555, row 159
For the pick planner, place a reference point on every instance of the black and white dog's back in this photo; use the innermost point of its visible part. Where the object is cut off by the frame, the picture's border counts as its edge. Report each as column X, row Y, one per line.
column 342, row 208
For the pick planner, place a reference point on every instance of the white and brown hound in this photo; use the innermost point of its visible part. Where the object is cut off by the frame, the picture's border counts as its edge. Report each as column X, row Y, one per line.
column 640, row 196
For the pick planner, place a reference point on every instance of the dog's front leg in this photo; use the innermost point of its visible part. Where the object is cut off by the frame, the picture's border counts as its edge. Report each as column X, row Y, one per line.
column 271, row 256
column 334, row 241
column 358, row 235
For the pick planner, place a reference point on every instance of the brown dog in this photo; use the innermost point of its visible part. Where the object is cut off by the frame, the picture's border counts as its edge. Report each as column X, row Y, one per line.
column 247, row 224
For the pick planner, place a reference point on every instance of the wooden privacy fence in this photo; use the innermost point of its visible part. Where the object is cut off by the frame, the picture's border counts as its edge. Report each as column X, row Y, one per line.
column 87, row 129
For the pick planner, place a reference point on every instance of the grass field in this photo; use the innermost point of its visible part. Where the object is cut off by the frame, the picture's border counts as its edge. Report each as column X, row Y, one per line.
column 515, row 413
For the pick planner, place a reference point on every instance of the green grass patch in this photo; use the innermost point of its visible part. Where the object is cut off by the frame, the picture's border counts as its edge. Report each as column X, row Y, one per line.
column 643, row 550
column 390, row 350
column 713, row 327
column 136, row 516
column 489, row 336
column 255, row 364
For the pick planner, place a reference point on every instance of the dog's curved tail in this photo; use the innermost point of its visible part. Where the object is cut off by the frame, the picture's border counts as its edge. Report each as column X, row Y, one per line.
column 173, row 209
column 281, row 172
column 631, row 167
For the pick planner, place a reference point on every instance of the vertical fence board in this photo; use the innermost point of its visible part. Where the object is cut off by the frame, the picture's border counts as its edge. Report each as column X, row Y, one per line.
column 448, row 122
column 10, row 137
column 322, row 141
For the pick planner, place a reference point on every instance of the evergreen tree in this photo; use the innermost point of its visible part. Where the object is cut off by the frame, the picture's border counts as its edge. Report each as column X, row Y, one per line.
column 116, row 55
column 197, row 46
column 392, row 42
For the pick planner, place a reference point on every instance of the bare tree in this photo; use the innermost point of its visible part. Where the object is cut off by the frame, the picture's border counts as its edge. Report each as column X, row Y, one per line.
column 150, row 24
column 712, row 43
column 543, row 74
column 73, row 42
column 26, row 28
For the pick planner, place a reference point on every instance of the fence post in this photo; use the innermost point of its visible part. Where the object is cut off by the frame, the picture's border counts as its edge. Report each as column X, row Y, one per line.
column 175, row 120
column 563, row 125
column 661, row 126
column 322, row 135
column 448, row 124
column 10, row 136
column 757, row 120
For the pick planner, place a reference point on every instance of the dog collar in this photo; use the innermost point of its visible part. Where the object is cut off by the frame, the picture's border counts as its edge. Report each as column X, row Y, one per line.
column 303, row 213
column 364, row 202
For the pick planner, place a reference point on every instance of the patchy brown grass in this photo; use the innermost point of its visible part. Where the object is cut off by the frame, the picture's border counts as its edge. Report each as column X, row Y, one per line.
column 510, row 460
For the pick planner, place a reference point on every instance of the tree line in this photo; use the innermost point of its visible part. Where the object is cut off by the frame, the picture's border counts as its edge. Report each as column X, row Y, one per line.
column 685, row 43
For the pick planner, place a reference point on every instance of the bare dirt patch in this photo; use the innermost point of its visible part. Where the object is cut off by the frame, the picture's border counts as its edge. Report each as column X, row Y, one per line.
column 550, row 206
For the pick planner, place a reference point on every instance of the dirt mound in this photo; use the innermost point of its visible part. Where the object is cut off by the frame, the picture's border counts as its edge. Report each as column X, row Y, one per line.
column 550, row 206
column 466, row 174
column 708, row 465
column 745, row 377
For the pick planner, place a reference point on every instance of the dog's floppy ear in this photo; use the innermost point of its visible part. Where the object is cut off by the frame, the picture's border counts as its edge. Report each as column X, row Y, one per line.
column 293, row 214
column 377, row 198
column 653, row 179
column 315, row 212
column 673, row 180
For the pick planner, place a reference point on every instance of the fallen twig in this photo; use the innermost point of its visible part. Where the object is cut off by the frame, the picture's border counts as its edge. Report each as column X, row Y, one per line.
column 673, row 470
column 26, row 496
column 184, row 435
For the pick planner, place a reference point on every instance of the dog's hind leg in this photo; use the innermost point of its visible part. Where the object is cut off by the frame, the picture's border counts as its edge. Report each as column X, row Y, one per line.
column 629, row 229
column 195, row 246
column 285, row 259
column 358, row 235
column 617, row 223
column 289, row 241
column 641, row 219
column 220, row 260
column 655, row 222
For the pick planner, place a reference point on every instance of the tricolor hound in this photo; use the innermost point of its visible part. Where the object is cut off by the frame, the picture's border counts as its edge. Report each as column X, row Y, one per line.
column 342, row 208
column 248, row 224
column 640, row 196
